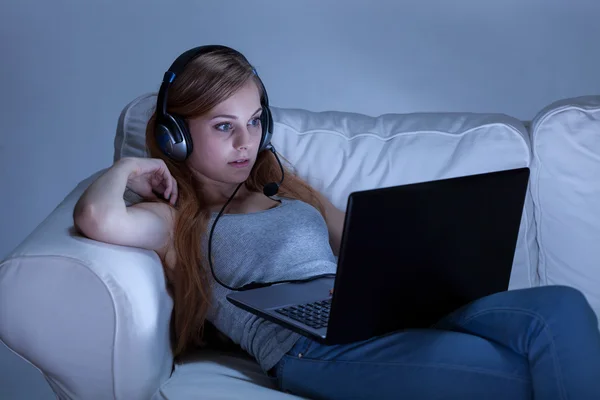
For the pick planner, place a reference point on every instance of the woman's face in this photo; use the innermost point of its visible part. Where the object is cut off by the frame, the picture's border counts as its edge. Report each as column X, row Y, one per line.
column 226, row 139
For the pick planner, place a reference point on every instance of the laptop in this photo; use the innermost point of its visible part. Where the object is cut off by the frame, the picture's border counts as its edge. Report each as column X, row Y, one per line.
column 409, row 255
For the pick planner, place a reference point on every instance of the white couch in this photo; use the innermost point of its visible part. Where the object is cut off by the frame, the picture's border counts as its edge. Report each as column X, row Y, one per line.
column 94, row 318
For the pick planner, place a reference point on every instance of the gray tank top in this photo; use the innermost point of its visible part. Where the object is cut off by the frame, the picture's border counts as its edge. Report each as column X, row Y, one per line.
column 290, row 241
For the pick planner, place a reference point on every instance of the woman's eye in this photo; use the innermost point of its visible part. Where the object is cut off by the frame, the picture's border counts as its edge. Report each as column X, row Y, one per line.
column 225, row 127
column 255, row 121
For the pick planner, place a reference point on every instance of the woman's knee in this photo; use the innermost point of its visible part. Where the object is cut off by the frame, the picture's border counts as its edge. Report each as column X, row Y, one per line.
column 564, row 299
column 565, row 294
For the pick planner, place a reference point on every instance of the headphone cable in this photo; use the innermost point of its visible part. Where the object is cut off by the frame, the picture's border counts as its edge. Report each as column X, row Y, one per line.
column 252, row 285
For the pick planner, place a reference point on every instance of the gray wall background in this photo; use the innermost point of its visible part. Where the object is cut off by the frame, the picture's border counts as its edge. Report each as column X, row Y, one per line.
column 68, row 68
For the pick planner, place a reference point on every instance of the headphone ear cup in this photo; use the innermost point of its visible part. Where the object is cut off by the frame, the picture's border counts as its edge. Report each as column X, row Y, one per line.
column 173, row 138
column 266, row 121
column 185, row 135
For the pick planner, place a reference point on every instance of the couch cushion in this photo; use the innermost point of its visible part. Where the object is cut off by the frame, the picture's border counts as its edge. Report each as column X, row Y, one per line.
column 340, row 152
column 219, row 375
column 565, row 183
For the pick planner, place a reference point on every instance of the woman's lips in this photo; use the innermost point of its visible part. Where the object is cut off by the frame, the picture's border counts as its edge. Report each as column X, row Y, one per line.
column 241, row 163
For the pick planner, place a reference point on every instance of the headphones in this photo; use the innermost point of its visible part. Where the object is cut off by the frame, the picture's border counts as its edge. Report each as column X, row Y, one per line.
column 171, row 131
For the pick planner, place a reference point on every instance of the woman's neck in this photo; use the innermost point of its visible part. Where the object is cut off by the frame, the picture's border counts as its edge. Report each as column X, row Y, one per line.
column 215, row 199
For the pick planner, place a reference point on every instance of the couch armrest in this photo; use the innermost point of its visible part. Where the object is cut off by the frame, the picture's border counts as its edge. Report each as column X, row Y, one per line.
column 92, row 317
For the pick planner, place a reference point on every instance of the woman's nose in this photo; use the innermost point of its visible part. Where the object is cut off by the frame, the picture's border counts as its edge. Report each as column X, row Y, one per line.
column 242, row 139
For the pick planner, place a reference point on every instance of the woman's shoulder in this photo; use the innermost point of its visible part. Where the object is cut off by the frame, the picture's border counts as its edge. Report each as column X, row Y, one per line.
column 283, row 200
column 297, row 205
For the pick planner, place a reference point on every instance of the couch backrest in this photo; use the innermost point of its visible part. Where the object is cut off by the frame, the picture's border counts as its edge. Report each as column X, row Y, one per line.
column 565, row 185
column 340, row 152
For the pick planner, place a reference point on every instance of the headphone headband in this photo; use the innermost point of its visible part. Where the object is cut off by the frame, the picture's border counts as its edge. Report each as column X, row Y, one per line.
column 176, row 68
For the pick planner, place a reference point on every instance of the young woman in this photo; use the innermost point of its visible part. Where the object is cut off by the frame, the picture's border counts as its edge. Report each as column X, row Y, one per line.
column 210, row 162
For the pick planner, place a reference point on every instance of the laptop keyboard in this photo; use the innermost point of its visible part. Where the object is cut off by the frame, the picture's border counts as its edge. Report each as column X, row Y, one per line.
column 315, row 315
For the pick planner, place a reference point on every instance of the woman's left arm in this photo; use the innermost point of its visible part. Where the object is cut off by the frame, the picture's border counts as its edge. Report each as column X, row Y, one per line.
column 335, row 223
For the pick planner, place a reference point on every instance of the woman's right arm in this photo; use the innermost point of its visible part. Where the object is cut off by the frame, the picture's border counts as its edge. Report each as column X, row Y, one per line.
column 101, row 213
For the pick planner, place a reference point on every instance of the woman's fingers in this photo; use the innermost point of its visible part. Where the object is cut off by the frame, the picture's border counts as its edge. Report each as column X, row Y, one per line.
column 160, row 180
column 168, row 183
column 168, row 186
column 174, row 192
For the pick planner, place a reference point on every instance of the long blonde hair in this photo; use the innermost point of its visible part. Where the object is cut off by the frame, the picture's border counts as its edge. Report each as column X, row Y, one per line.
column 207, row 81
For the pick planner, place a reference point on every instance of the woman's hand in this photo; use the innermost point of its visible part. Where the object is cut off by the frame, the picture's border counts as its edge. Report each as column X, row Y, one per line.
column 150, row 178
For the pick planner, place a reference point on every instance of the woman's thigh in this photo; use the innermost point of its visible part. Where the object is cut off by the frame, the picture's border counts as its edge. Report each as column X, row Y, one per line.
column 413, row 364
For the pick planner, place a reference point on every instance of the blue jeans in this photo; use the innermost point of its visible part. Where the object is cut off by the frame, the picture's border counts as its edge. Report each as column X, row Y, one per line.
column 540, row 343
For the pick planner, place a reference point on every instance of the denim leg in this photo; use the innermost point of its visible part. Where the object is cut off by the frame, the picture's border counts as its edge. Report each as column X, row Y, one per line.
column 542, row 343
column 417, row 364
column 554, row 327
